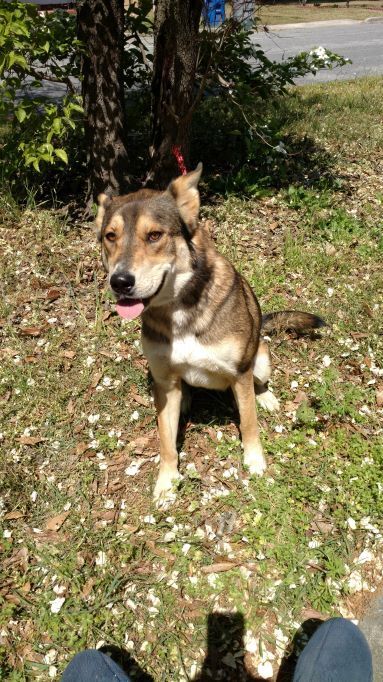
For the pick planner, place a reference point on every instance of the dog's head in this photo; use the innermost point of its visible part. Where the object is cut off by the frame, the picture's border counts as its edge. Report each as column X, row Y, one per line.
column 144, row 237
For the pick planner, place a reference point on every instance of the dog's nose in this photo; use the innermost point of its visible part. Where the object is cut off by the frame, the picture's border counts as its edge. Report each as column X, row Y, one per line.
column 122, row 282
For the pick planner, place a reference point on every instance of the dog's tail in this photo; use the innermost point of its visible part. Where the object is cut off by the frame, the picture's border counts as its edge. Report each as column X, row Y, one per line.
column 291, row 320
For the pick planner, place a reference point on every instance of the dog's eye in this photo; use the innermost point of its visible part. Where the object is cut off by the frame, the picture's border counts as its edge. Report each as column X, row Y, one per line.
column 111, row 236
column 154, row 236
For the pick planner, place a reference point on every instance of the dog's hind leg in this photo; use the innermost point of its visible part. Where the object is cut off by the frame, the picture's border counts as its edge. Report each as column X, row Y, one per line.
column 243, row 389
column 167, row 396
column 262, row 373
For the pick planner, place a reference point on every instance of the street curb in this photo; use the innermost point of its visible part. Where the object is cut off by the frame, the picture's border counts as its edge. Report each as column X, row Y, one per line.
column 373, row 20
column 318, row 24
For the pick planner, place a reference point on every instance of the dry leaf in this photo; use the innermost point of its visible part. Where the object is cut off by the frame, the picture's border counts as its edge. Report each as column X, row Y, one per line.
column 86, row 590
column 54, row 294
column 81, row 448
column 70, row 354
column 300, row 397
column 31, row 440
column 14, row 515
column 95, row 379
column 70, row 407
column 31, row 358
column 219, row 567
column 31, row 331
column 309, row 613
column 140, row 400
column 379, row 396
column 56, row 522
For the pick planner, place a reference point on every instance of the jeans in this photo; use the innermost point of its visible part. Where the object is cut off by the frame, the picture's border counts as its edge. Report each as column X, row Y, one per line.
column 337, row 652
column 93, row 666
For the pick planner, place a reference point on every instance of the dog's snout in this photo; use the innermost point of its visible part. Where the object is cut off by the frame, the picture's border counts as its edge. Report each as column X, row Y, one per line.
column 122, row 282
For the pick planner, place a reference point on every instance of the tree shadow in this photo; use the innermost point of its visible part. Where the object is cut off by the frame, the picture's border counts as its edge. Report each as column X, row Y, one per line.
column 226, row 659
column 225, row 656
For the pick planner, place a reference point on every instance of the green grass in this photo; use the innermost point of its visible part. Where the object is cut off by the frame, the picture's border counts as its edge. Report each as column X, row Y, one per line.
column 288, row 14
column 76, row 414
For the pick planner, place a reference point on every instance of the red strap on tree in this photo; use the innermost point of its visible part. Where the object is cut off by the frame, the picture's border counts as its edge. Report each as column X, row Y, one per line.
column 176, row 151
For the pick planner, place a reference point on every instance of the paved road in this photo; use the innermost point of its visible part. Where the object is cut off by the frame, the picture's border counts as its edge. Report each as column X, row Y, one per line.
column 361, row 42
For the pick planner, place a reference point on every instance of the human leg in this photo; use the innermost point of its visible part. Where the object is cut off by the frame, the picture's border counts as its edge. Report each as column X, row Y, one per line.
column 93, row 666
column 337, row 652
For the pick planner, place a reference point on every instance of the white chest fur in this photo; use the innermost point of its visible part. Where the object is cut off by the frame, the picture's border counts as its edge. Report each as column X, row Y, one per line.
column 209, row 366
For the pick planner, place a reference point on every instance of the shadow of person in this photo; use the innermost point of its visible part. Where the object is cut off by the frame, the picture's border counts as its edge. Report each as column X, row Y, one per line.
column 225, row 656
column 296, row 646
column 128, row 664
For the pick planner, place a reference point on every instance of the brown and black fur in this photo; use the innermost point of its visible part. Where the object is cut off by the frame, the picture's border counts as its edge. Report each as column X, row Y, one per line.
column 201, row 322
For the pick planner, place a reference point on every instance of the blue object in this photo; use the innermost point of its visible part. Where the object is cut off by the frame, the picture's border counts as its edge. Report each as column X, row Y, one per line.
column 337, row 652
column 93, row 666
column 214, row 12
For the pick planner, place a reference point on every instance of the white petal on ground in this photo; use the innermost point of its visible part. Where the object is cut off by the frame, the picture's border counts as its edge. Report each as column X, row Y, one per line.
column 134, row 467
column 364, row 557
column 101, row 559
column 265, row 670
column 56, row 604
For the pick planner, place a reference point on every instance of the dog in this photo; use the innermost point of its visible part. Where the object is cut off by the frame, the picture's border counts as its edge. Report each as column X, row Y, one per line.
column 201, row 321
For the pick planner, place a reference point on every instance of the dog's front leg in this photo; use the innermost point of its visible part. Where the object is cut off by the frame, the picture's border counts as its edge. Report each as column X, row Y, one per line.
column 243, row 389
column 167, row 396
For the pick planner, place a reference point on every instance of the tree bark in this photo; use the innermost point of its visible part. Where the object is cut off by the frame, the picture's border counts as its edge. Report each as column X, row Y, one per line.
column 176, row 28
column 101, row 30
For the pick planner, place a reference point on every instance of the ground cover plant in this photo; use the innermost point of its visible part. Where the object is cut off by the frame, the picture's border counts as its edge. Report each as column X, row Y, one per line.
column 86, row 558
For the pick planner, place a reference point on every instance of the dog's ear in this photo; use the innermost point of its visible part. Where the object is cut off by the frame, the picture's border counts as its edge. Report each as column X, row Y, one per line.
column 103, row 203
column 184, row 191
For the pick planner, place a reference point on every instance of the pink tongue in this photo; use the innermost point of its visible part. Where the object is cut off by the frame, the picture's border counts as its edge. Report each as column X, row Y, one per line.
column 129, row 308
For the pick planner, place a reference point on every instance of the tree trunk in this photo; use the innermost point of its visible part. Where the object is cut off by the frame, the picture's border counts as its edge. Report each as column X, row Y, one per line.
column 101, row 30
column 176, row 27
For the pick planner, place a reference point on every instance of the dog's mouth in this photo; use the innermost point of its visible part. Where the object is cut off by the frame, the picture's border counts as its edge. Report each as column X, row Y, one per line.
column 130, row 308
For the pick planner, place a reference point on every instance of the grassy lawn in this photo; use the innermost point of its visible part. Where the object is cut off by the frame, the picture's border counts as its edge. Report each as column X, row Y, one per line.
column 291, row 14
column 86, row 557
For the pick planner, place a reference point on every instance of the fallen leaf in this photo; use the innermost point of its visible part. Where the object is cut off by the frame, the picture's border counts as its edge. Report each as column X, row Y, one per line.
column 31, row 331
column 300, row 397
column 56, row 522
column 309, row 613
column 31, row 440
column 95, row 379
column 54, row 294
column 70, row 354
column 379, row 396
column 81, row 448
column 220, row 567
column 88, row 586
column 12, row 598
column 140, row 400
column 31, row 358
column 11, row 516
column 70, row 407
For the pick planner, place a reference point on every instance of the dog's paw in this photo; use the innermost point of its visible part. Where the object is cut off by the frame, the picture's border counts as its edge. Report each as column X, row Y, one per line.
column 255, row 461
column 268, row 401
column 165, row 489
